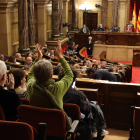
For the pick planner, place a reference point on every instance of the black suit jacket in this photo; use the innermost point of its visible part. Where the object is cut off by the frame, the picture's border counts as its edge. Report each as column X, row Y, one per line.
column 104, row 75
column 9, row 101
column 100, row 29
column 87, row 30
column 89, row 52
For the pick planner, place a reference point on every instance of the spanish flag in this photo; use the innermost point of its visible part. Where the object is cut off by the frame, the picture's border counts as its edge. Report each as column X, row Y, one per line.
column 138, row 23
column 134, row 19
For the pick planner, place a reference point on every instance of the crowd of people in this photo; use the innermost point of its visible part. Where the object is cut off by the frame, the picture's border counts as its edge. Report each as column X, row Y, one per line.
column 40, row 83
column 41, row 89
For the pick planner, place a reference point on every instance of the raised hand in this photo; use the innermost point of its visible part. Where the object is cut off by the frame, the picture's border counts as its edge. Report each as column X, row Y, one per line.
column 11, row 83
column 39, row 56
column 58, row 50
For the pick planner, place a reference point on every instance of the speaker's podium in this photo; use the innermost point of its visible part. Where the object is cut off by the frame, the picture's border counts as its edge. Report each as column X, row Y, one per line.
column 136, row 57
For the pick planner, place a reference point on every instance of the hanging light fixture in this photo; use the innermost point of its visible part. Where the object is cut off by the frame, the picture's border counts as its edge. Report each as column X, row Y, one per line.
column 85, row 8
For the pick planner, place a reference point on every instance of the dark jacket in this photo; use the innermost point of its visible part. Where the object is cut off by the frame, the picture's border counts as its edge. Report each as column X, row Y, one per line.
column 104, row 75
column 77, row 97
column 87, row 30
column 100, row 29
column 89, row 52
column 9, row 101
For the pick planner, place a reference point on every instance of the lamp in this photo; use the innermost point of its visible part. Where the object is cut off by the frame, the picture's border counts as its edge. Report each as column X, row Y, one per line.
column 85, row 8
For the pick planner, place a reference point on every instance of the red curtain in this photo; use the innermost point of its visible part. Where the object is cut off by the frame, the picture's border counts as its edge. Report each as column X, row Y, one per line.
column 132, row 7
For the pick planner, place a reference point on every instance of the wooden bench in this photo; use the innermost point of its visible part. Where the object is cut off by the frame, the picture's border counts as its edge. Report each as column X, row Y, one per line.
column 92, row 94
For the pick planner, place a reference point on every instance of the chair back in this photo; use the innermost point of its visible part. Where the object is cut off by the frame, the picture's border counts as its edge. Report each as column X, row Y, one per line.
column 2, row 116
column 16, row 131
column 54, row 118
column 72, row 111
column 25, row 101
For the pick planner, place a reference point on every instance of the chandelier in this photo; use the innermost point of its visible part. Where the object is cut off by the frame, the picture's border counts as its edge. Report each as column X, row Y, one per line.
column 85, row 7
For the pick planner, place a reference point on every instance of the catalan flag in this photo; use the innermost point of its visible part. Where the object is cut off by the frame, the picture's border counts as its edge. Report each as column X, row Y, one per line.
column 134, row 19
column 138, row 23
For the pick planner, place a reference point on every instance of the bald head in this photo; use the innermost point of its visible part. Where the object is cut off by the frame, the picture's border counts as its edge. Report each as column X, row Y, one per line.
column 18, row 55
column 29, row 60
column 3, row 69
column 1, row 57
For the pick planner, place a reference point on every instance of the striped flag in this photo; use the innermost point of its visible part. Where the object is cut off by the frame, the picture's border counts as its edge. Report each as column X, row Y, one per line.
column 138, row 23
column 134, row 19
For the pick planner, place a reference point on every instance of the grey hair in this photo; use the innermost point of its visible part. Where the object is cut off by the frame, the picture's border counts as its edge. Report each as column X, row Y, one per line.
column 89, row 37
column 42, row 70
column 104, row 62
column 3, row 69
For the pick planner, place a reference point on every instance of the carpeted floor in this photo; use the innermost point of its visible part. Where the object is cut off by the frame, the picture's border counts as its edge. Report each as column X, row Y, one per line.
column 117, row 135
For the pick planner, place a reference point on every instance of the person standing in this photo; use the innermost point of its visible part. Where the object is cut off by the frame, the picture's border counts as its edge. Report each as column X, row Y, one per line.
column 84, row 29
column 90, row 44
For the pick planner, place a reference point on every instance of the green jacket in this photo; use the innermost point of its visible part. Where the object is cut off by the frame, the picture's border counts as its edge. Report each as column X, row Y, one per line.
column 58, row 89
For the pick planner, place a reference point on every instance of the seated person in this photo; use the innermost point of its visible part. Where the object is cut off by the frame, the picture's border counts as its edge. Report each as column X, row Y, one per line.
column 85, row 63
column 56, row 71
column 94, row 66
column 51, row 57
column 18, row 55
column 128, row 29
column 101, row 75
column 103, row 65
column 115, row 29
column 45, row 46
column 20, row 82
column 100, row 28
column 28, row 55
column 84, row 29
column 70, row 50
column 75, row 96
column 42, row 90
column 12, row 59
column 1, row 57
column 76, row 66
column 29, row 61
column 132, row 26
column 72, row 62
column 9, row 100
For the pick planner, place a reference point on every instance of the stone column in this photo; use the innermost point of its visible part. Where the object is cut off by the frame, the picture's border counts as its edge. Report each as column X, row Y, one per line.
column 60, row 13
column 122, row 18
column 41, row 21
column 115, row 12
column 65, row 15
column 6, row 35
column 23, row 26
column 55, row 19
column 74, row 15
column 31, row 24
column 104, row 12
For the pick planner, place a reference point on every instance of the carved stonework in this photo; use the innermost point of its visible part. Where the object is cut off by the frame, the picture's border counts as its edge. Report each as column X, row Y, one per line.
column 115, row 12
column 104, row 12
column 31, row 23
column 60, row 14
column 55, row 18
column 74, row 14
column 23, row 24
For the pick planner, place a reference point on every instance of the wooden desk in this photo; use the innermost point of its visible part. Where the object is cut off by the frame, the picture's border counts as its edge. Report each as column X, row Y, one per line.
column 92, row 94
column 99, row 37
column 136, row 57
column 130, row 39
column 81, row 39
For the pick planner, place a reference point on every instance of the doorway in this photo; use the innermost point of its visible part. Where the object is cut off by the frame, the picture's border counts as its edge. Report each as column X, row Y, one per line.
column 91, row 20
